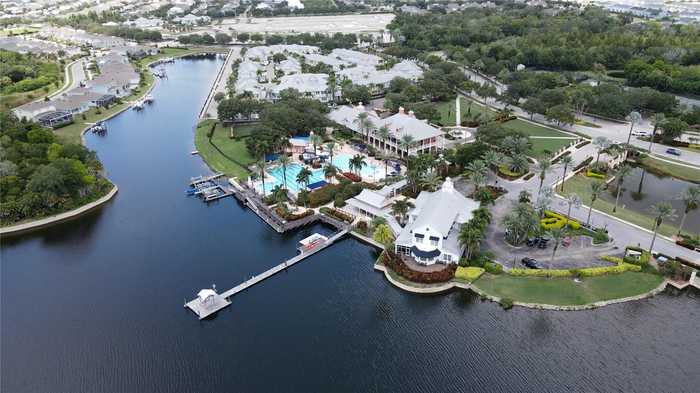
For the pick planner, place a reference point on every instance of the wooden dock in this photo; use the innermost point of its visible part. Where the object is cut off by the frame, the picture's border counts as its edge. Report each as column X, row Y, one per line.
column 206, row 308
column 201, row 179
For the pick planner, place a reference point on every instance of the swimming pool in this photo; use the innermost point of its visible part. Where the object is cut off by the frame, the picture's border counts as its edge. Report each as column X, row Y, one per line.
column 342, row 161
column 293, row 170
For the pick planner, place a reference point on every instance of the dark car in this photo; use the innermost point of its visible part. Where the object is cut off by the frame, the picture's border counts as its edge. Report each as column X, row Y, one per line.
column 674, row 152
column 530, row 263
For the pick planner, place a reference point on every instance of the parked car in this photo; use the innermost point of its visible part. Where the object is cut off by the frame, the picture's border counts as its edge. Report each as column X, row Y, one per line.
column 640, row 133
column 530, row 263
column 673, row 151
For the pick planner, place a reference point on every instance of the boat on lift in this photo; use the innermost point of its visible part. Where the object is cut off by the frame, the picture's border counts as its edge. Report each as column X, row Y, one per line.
column 138, row 105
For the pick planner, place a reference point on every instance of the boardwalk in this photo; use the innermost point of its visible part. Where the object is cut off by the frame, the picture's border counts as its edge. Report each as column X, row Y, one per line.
column 204, row 309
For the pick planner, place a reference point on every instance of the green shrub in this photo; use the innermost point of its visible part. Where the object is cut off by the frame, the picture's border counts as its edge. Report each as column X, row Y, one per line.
column 600, row 236
column 612, row 259
column 506, row 303
column 493, row 268
column 468, row 273
column 587, row 272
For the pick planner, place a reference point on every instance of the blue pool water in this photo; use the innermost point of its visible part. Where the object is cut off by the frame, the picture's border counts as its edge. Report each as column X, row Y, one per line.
column 292, row 172
column 342, row 161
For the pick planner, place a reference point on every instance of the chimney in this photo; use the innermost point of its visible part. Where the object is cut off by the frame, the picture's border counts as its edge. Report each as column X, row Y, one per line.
column 401, row 110
column 411, row 113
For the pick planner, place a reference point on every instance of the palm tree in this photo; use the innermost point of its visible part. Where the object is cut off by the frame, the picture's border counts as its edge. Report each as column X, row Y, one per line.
column 304, row 176
column 492, row 159
column 543, row 166
column 330, row 146
column 400, row 208
column 572, row 200
column 478, row 179
column 329, row 172
column 364, row 124
column 556, row 235
column 430, row 181
column 332, row 85
column 566, row 160
column 601, row 143
column 260, row 166
column 661, row 211
column 634, row 117
column 657, row 120
column 622, row 171
column 691, row 200
column 316, row 140
column 406, row 143
column 284, row 160
column 477, row 166
column 515, row 145
column 518, row 164
column 596, row 188
column 383, row 133
column 279, row 194
column 356, row 163
column 470, row 236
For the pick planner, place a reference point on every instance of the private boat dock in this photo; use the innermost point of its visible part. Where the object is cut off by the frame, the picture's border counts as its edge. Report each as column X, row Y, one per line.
column 208, row 188
column 208, row 301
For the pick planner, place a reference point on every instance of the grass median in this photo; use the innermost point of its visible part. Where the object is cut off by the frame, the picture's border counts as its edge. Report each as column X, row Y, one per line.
column 565, row 291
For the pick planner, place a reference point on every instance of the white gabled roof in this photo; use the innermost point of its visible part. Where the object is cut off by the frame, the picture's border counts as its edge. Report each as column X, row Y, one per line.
column 399, row 124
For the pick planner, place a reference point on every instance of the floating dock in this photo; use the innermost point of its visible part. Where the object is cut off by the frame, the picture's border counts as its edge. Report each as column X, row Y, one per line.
column 216, row 302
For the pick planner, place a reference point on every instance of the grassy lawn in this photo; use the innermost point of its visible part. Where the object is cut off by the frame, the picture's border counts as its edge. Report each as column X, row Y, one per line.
column 581, row 185
column 447, row 111
column 566, row 292
column 541, row 147
column 532, row 129
column 222, row 153
column 666, row 168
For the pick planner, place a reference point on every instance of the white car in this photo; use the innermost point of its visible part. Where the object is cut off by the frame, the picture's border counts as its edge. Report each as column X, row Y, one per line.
column 640, row 133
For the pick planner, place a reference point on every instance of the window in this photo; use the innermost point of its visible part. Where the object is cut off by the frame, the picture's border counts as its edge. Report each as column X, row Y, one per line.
column 419, row 239
column 434, row 240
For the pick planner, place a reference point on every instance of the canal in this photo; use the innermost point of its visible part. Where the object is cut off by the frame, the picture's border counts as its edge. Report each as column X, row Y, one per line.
column 96, row 305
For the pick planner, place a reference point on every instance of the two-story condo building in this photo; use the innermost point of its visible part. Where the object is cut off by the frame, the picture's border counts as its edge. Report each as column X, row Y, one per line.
column 425, row 138
column 432, row 232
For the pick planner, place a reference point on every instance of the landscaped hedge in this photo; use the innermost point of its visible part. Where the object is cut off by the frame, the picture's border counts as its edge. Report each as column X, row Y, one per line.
column 470, row 273
column 587, row 272
column 340, row 192
column 590, row 173
column 555, row 220
column 338, row 214
column 583, row 163
column 393, row 262
column 493, row 267
column 643, row 259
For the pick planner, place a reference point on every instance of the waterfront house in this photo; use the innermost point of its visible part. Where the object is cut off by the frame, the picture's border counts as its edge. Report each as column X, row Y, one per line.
column 432, row 232
column 426, row 138
column 55, row 119
column 31, row 110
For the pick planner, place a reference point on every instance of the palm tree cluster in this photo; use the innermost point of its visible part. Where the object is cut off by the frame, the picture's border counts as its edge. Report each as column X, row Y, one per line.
column 472, row 232
column 400, row 209
column 520, row 223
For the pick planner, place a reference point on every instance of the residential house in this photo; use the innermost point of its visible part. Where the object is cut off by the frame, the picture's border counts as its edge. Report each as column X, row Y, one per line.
column 432, row 232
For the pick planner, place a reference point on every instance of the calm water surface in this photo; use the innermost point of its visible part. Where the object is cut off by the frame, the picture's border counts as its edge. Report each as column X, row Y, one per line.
column 642, row 189
column 96, row 305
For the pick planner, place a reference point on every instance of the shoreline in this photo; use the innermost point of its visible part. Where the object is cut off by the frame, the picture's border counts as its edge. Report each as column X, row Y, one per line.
column 452, row 284
column 45, row 222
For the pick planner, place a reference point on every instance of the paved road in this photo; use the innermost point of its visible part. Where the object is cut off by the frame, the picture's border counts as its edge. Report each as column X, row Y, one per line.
column 77, row 76
column 623, row 233
column 220, row 87
column 615, row 131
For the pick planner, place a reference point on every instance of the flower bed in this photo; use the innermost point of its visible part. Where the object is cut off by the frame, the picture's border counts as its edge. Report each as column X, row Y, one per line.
column 337, row 214
column 506, row 173
column 493, row 190
column 555, row 220
column 393, row 262
column 470, row 273
column 286, row 215
column 353, row 177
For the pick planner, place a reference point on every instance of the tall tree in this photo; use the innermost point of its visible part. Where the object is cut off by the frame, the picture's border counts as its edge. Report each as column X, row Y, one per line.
column 543, row 166
column 634, row 118
column 566, row 160
column 596, row 189
column 400, row 209
column 622, row 171
column 661, row 211
column 284, row 160
column 657, row 120
column 691, row 199
column 260, row 166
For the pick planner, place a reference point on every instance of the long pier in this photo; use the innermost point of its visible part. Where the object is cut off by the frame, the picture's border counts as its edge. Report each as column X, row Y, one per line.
column 214, row 303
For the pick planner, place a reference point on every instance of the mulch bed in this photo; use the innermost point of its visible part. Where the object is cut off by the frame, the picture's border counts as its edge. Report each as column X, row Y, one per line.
column 393, row 262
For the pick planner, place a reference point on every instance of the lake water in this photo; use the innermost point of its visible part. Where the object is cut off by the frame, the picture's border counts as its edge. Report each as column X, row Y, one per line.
column 96, row 305
column 641, row 189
